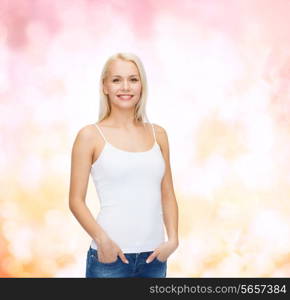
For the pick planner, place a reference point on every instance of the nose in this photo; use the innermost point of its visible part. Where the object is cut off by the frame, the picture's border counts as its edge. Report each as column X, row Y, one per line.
column 125, row 85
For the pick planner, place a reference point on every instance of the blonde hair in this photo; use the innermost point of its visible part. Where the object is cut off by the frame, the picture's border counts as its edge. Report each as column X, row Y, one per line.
column 140, row 107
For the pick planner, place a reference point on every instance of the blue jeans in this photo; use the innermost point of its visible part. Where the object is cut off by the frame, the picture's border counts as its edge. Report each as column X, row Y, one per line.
column 137, row 266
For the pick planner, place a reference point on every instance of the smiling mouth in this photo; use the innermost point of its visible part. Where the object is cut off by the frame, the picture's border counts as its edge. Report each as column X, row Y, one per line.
column 125, row 97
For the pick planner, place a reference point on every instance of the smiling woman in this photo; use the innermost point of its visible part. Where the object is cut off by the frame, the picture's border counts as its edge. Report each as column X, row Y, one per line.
column 128, row 159
column 122, row 80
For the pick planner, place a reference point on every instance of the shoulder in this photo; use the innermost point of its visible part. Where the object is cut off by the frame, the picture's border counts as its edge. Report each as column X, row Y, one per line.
column 86, row 134
column 86, row 131
column 161, row 136
column 160, row 130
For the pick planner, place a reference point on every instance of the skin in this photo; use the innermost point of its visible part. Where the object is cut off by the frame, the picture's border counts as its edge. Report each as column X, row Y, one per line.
column 88, row 145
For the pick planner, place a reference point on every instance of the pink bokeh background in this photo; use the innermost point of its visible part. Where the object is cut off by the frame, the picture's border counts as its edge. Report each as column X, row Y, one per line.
column 218, row 75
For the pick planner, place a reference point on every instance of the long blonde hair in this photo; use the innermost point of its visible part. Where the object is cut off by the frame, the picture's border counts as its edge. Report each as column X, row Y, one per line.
column 140, row 108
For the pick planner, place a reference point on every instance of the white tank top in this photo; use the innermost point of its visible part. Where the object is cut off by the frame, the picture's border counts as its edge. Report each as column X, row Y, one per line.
column 128, row 185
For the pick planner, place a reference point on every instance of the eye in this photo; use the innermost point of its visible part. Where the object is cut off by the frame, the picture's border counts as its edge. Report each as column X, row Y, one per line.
column 133, row 79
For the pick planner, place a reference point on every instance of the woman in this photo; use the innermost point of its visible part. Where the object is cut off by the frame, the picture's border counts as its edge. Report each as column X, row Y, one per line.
column 132, row 178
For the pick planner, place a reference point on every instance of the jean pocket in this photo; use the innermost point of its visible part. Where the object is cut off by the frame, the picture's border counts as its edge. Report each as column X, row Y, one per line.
column 160, row 261
column 95, row 258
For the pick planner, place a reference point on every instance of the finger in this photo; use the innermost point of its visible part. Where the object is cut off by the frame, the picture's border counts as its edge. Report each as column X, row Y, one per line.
column 123, row 257
column 151, row 257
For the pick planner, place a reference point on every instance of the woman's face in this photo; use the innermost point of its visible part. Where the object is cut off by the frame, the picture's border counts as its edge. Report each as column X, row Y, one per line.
column 123, row 84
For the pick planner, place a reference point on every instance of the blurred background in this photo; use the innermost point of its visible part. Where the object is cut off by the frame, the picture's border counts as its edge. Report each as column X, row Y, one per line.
column 218, row 76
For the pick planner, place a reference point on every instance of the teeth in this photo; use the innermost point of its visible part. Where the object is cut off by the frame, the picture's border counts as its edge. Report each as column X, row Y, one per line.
column 125, row 97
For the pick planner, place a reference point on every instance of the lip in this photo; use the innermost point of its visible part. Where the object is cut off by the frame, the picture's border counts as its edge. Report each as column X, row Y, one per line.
column 131, row 96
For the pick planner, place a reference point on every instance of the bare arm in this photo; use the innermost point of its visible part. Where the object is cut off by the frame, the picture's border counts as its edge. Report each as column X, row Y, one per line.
column 169, row 203
column 81, row 160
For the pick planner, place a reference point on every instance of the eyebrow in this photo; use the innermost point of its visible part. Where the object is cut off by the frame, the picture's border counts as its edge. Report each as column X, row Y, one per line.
column 121, row 76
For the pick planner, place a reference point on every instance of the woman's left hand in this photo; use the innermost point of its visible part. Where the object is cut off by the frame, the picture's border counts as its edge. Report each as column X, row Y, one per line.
column 163, row 251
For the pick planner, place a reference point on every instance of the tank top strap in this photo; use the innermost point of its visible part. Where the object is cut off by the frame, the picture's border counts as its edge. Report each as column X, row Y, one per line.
column 153, row 132
column 101, row 132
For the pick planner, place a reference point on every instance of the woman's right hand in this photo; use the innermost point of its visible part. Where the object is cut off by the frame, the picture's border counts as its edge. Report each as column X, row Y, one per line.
column 108, row 251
